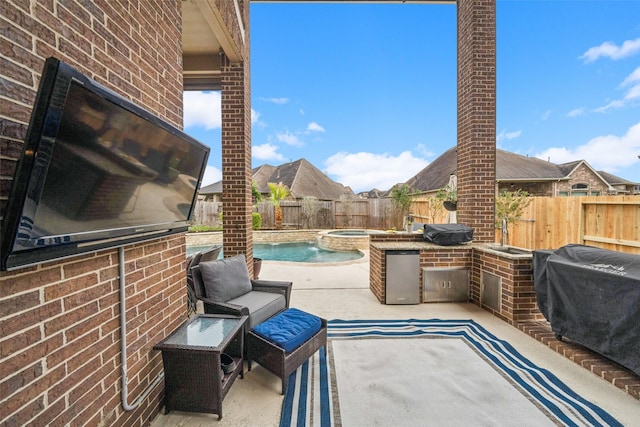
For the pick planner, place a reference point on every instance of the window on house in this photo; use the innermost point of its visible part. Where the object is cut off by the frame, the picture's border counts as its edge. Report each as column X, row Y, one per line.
column 580, row 189
column 563, row 193
column 595, row 193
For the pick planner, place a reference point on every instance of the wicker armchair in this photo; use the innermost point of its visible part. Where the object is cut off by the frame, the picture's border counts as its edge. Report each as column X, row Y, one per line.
column 210, row 254
column 260, row 300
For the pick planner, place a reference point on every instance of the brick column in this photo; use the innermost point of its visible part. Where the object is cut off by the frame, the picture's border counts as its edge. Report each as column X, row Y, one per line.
column 237, row 235
column 477, row 116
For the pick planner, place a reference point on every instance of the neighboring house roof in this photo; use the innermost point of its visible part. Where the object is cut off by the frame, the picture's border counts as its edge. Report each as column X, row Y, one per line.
column 372, row 194
column 509, row 167
column 436, row 174
column 514, row 167
column 215, row 188
column 615, row 180
column 303, row 180
column 301, row 177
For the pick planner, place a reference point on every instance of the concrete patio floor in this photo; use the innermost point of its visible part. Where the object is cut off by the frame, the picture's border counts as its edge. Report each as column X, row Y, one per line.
column 341, row 291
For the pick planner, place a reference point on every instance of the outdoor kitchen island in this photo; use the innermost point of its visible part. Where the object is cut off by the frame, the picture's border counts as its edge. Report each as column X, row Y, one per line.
column 499, row 282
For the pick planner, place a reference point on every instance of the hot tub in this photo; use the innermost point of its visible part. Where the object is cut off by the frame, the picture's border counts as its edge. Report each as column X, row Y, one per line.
column 345, row 240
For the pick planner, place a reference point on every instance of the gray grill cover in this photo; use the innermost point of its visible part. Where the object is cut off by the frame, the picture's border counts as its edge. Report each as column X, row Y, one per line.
column 447, row 234
column 592, row 296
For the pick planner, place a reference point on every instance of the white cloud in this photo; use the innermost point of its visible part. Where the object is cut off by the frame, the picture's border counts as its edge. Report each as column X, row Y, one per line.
column 424, row 151
column 289, row 139
column 576, row 112
column 266, row 152
column 202, row 109
column 314, row 127
column 365, row 171
column 613, row 105
column 608, row 152
column 546, row 115
column 211, row 174
column 632, row 94
column 278, row 101
column 508, row 135
column 633, row 78
column 610, row 50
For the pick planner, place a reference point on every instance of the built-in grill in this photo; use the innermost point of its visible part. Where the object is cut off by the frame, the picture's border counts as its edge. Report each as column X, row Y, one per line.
column 592, row 297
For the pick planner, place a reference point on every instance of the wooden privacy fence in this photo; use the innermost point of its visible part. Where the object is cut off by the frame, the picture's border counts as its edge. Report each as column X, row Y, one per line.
column 611, row 222
column 314, row 214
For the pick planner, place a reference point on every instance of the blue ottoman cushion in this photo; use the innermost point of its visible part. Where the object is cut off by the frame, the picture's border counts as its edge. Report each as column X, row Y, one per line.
column 289, row 329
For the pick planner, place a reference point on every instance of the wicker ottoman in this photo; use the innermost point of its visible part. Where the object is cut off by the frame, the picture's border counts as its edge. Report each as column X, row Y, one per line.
column 285, row 341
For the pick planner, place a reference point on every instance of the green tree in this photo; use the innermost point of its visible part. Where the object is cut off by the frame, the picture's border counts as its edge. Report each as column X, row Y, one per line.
column 510, row 206
column 435, row 208
column 401, row 197
column 255, row 193
column 279, row 192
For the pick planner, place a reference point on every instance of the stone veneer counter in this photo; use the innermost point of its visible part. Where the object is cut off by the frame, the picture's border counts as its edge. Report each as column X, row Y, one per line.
column 427, row 246
column 412, row 245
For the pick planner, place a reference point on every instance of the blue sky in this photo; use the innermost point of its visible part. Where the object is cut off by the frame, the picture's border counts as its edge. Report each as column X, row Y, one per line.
column 367, row 92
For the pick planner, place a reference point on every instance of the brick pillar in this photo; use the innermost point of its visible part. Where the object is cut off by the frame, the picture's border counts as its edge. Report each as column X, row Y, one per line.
column 237, row 233
column 477, row 116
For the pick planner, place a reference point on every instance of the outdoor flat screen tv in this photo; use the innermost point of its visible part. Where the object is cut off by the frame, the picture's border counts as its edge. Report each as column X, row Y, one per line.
column 96, row 171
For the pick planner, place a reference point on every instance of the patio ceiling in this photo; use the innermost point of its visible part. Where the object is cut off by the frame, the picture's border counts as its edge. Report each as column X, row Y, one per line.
column 204, row 36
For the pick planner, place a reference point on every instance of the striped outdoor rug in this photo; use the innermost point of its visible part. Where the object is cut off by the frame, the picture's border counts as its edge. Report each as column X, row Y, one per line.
column 313, row 391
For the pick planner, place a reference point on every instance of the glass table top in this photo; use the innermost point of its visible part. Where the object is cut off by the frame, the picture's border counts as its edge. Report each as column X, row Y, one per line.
column 203, row 332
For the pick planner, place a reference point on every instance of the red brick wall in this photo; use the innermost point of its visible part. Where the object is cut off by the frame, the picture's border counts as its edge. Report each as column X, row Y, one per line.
column 59, row 321
column 477, row 116
column 518, row 303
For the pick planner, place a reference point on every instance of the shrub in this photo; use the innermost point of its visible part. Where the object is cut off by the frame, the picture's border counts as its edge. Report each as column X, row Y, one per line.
column 203, row 228
column 256, row 220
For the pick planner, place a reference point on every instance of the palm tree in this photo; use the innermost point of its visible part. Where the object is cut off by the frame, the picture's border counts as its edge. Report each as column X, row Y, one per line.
column 278, row 192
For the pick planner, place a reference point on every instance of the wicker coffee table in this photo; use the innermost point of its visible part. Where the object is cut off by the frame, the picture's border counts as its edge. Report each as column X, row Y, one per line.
column 193, row 376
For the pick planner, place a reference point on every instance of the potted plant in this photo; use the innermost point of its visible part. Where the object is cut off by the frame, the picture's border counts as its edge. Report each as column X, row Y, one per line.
column 449, row 197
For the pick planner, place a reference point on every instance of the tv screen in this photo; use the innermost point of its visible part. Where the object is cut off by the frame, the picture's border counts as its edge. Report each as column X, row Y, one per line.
column 96, row 171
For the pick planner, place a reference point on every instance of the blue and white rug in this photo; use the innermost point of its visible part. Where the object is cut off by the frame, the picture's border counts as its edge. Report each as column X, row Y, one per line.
column 428, row 373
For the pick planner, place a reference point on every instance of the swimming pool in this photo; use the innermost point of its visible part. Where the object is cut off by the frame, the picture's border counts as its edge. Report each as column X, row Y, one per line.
column 294, row 252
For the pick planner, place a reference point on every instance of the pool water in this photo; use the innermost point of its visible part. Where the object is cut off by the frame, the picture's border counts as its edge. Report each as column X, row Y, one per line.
column 295, row 252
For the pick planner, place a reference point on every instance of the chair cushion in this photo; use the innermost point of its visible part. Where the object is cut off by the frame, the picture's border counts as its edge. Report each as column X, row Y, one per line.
column 261, row 305
column 226, row 278
column 289, row 329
